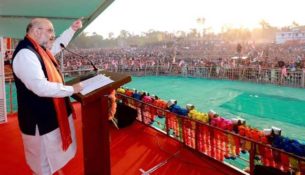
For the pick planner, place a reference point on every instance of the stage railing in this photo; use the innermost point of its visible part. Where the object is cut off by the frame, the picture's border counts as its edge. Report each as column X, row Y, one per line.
column 224, row 146
column 250, row 74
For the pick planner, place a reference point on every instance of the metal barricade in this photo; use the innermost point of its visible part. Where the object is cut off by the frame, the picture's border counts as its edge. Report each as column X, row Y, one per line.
column 248, row 74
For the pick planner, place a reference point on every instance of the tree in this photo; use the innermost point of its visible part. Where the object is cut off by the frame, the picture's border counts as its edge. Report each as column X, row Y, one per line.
column 181, row 34
column 268, row 32
column 201, row 22
column 124, row 34
column 110, row 35
column 295, row 24
column 264, row 24
column 193, row 33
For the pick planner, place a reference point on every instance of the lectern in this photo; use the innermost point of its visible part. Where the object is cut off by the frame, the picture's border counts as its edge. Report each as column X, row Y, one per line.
column 95, row 128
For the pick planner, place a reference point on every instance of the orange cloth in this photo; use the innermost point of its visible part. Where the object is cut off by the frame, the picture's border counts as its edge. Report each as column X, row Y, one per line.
column 54, row 75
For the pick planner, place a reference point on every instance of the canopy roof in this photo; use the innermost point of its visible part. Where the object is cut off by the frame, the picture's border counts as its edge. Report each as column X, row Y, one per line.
column 16, row 14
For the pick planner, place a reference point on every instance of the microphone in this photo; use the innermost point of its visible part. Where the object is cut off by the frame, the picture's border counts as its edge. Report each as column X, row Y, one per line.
column 91, row 63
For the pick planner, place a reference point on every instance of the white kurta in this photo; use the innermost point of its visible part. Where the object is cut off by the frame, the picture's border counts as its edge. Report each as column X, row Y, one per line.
column 44, row 153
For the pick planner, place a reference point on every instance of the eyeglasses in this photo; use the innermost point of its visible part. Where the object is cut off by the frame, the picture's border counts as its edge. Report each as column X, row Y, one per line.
column 52, row 38
column 50, row 30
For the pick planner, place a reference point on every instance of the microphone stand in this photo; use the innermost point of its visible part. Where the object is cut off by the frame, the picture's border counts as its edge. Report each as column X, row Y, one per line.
column 81, row 78
column 95, row 69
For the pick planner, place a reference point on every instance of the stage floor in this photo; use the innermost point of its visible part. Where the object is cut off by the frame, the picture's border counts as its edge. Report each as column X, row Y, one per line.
column 132, row 148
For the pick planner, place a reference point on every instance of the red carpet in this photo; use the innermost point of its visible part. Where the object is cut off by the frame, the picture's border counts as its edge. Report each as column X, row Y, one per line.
column 132, row 148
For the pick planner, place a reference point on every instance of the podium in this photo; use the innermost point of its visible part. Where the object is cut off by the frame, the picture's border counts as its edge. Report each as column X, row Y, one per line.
column 95, row 130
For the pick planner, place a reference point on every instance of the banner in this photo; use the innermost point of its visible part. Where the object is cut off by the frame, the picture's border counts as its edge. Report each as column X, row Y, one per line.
column 8, row 43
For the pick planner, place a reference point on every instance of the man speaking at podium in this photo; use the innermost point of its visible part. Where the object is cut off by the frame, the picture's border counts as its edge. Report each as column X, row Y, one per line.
column 44, row 109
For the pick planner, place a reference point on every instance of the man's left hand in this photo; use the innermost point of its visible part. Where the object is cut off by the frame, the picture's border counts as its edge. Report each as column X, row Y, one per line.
column 77, row 24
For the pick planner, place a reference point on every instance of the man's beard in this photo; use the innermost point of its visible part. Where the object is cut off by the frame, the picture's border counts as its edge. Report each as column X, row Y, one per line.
column 44, row 44
column 47, row 44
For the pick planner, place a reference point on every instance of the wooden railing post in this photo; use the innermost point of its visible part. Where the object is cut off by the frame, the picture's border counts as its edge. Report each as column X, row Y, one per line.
column 252, row 158
column 197, row 131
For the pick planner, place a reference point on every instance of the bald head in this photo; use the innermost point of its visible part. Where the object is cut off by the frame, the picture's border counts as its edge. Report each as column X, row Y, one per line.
column 37, row 22
column 41, row 30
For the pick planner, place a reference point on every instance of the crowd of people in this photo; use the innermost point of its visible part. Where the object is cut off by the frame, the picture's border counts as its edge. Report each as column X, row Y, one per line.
column 191, row 53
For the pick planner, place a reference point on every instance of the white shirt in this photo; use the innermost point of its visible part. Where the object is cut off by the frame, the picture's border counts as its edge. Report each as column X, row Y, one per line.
column 28, row 69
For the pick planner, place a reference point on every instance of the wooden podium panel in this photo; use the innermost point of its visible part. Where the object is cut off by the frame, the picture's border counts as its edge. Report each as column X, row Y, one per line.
column 118, row 78
column 95, row 127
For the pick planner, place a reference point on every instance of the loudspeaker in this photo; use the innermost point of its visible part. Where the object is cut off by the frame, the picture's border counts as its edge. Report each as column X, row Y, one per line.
column 125, row 115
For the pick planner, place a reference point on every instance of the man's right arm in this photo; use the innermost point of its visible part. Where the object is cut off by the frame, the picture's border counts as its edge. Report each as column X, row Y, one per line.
column 27, row 68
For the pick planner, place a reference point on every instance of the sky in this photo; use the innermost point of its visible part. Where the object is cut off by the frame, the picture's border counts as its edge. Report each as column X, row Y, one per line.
column 138, row 16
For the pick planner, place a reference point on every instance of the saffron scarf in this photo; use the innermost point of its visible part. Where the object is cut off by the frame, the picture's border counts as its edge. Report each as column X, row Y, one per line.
column 54, row 75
